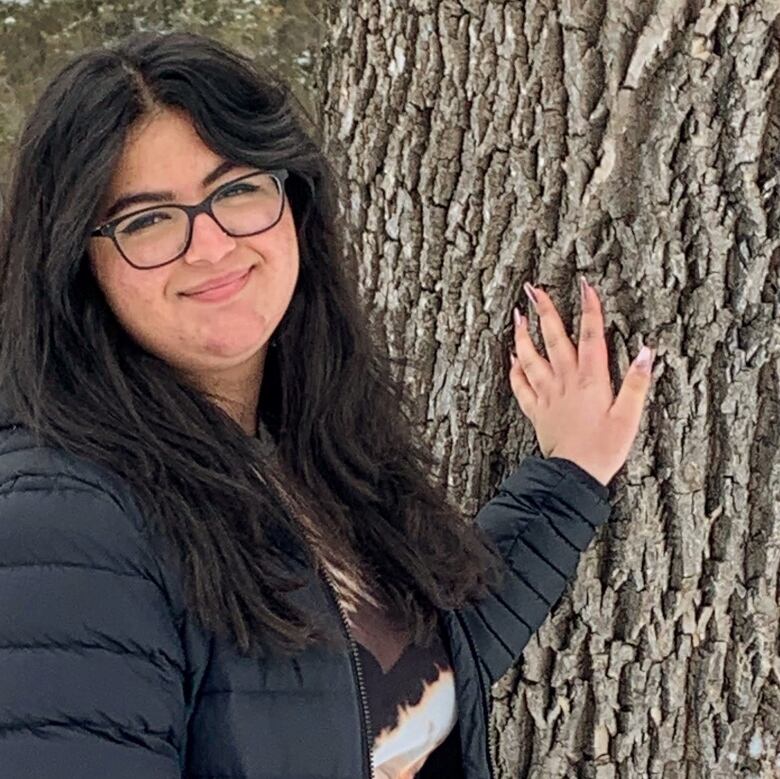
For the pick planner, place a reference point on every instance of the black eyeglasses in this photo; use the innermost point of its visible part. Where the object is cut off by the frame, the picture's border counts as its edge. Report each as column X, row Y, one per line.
column 248, row 205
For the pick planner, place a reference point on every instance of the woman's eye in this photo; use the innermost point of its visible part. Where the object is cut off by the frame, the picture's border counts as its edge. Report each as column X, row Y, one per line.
column 147, row 220
column 238, row 189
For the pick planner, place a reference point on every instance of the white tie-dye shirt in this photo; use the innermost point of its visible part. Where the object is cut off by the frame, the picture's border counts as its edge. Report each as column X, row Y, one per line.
column 410, row 691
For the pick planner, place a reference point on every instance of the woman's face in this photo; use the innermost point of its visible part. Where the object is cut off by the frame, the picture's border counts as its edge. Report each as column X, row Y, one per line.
column 225, row 338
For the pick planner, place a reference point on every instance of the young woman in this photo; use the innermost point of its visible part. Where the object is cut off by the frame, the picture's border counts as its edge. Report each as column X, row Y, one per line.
column 221, row 552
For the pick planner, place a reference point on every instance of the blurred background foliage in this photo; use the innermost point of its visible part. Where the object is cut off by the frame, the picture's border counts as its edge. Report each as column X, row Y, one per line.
column 37, row 37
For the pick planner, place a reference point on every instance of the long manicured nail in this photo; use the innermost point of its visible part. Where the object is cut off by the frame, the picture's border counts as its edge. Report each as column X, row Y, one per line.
column 529, row 290
column 583, row 288
column 644, row 360
column 519, row 318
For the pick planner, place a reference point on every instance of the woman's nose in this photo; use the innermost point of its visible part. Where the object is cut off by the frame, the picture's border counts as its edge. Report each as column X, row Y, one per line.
column 208, row 241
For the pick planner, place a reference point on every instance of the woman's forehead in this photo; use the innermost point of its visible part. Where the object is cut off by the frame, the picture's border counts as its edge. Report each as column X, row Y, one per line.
column 159, row 144
column 166, row 157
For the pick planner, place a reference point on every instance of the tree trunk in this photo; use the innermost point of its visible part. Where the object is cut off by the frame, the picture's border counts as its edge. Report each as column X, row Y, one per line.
column 485, row 144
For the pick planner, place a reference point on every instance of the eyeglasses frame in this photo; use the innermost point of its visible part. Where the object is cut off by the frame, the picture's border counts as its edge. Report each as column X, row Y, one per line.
column 108, row 230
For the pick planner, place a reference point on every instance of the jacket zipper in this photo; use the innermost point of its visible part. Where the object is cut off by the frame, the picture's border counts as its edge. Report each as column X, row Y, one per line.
column 365, row 721
column 484, row 699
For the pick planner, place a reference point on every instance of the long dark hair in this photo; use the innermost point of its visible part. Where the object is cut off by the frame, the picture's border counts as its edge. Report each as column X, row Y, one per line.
column 346, row 457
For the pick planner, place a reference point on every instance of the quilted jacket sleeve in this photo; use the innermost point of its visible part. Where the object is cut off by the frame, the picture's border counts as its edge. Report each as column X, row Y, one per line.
column 91, row 666
column 542, row 518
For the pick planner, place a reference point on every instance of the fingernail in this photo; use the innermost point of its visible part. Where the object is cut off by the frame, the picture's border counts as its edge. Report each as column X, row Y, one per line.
column 644, row 360
column 519, row 318
column 529, row 290
column 583, row 287
column 512, row 359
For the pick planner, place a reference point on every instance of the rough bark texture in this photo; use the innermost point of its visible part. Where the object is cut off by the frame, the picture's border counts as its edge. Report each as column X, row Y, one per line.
column 485, row 144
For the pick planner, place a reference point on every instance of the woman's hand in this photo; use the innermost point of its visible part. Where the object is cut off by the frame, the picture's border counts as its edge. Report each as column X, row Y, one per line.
column 569, row 399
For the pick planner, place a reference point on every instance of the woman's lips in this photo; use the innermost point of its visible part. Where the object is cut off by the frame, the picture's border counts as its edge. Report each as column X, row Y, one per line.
column 218, row 294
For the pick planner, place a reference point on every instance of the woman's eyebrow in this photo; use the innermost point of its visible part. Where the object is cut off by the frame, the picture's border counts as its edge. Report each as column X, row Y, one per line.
column 125, row 200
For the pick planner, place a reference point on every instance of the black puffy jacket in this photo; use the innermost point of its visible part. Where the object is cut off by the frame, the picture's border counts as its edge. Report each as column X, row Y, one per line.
column 104, row 676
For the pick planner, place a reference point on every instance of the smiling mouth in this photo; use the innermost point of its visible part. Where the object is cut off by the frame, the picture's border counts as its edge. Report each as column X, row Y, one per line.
column 223, row 291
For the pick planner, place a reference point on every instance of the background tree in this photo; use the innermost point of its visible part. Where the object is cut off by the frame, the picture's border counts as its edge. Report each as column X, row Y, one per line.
column 37, row 38
column 484, row 144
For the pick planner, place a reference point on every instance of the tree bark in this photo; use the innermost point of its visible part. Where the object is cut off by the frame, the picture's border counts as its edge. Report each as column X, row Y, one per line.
column 485, row 144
